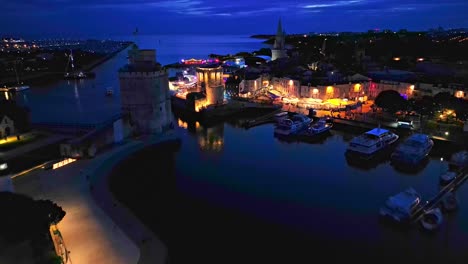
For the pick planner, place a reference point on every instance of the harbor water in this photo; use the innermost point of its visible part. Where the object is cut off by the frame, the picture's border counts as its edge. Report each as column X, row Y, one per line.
column 245, row 196
column 230, row 195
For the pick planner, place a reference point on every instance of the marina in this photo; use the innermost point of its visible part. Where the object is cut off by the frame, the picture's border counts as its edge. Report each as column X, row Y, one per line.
column 434, row 202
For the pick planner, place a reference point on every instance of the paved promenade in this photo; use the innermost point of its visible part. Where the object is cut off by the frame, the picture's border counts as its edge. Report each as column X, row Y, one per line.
column 96, row 228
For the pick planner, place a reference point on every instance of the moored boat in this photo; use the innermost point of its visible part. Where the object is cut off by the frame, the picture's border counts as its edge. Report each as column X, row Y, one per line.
column 459, row 160
column 318, row 129
column 369, row 144
column 401, row 206
column 109, row 92
column 413, row 150
column 447, row 177
column 450, row 202
column 281, row 116
column 293, row 125
column 432, row 219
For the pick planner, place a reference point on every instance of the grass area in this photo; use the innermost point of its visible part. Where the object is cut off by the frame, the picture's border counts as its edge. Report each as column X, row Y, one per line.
column 14, row 143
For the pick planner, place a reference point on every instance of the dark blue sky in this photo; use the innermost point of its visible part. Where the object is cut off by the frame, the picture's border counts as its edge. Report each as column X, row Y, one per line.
column 110, row 17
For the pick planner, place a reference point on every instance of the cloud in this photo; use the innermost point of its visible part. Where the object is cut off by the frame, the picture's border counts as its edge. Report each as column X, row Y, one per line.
column 206, row 8
column 332, row 4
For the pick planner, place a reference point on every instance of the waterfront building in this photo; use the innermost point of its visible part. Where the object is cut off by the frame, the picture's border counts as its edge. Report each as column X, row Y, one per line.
column 144, row 88
column 279, row 49
column 428, row 89
column 209, row 76
column 287, row 86
column 253, row 84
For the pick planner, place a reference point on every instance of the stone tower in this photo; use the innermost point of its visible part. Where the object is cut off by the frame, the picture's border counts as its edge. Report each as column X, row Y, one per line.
column 279, row 51
column 144, row 92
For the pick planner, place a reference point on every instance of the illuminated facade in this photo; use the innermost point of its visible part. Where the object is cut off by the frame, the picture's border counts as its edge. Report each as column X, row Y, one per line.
column 287, row 86
column 279, row 50
column 210, row 80
column 209, row 76
column 144, row 89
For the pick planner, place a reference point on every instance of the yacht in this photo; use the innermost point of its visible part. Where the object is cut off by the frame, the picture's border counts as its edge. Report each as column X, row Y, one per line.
column 450, row 202
column 74, row 73
column 413, row 150
column 370, row 143
column 447, row 177
column 293, row 125
column 401, row 206
column 321, row 127
column 281, row 116
column 459, row 160
column 432, row 219
column 109, row 92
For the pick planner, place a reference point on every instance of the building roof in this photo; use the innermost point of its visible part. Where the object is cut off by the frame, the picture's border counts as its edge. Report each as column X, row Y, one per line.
column 377, row 131
column 392, row 75
column 266, row 58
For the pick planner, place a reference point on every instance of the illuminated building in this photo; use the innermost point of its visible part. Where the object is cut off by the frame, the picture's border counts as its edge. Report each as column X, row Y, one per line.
column 144, row 89
column 279, row 51
column 209, row 75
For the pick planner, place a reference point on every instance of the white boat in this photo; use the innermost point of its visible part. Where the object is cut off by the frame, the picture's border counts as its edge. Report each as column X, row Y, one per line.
column 370, row 143
column 319, row 128
column 432, row 219
column 447, row 177
column 293, row 125
column 459, row 160
column 450, row 202
column 281, row 116
column 109, row 92
column 413, row 150
column 400, row 207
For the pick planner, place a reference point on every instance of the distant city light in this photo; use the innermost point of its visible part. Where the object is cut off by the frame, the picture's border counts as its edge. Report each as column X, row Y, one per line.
column 420, row 59
column 396, row 59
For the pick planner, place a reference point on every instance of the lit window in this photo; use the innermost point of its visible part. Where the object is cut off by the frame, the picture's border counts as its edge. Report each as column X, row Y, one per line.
column 357, row 87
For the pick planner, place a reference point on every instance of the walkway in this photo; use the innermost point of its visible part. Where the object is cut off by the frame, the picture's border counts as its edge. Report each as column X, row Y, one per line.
column 36, row 144
column 96, row 228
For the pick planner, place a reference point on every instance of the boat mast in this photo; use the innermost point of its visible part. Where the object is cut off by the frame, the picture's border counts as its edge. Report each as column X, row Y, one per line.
column 71, row 60
column 16, row 71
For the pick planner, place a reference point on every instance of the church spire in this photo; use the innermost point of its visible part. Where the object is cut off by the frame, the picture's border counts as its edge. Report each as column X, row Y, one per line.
column 279, row 31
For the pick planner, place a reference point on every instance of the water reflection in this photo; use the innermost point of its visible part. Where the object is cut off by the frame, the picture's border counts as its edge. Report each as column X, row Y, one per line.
column 411, row 169
column 320, row 139
column 364, row 164
column 210, row 138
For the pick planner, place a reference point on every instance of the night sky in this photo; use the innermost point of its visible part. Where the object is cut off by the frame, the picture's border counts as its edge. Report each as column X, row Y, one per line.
column 111, row 17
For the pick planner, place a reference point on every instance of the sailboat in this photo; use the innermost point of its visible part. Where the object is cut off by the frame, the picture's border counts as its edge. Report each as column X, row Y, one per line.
column 74, row 73
column 19, row 86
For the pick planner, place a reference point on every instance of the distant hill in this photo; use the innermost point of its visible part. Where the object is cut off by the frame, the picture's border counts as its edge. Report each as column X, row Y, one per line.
column 261, row 36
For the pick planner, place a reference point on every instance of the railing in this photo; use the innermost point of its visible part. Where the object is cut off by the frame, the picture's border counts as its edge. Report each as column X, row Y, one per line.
column 59, row 244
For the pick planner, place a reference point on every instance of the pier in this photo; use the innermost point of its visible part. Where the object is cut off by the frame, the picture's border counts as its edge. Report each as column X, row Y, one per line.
column 462, row 175
column 268, row 118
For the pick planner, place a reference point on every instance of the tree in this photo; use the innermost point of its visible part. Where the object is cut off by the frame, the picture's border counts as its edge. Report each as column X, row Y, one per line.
column 460, row 106
column 425, row 105
column 390, row 100
column 24, row 218
column 51, row 211
column 444, row 99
